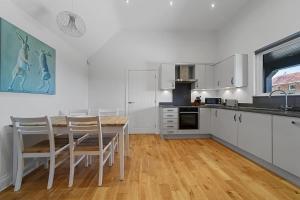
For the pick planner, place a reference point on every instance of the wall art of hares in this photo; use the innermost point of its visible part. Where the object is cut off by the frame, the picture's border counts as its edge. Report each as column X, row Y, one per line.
column 27, row 65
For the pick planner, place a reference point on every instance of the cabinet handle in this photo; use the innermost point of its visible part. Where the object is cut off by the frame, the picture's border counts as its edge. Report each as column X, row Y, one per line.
column 169, row 121
column 232, row 81
column 240, row 118
column 293, row 122
column 234, row 117
column 216, row 113
column 218, row 83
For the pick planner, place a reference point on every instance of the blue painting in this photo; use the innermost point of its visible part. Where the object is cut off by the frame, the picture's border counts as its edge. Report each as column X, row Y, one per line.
column 27, row 65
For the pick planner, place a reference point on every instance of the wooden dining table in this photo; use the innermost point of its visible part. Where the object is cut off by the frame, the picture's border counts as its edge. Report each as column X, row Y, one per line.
column 109, row 124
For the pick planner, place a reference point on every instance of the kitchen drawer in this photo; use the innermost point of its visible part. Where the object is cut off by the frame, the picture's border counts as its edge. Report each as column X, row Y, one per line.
column 168, row 132
column 170, row 110
column 167, row 121
column 170, row 115
column 170, row 126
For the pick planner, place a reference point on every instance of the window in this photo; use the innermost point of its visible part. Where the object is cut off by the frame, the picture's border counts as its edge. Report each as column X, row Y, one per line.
column 281, row 68
column 287, row 79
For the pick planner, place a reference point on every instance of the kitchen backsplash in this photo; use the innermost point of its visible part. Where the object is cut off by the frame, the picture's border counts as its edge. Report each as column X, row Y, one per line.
column 276, row 101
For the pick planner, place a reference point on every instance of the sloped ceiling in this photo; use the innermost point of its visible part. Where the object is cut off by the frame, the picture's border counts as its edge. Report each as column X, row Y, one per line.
column 104, row 18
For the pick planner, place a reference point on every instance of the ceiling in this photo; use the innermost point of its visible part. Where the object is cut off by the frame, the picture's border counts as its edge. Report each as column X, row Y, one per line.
column 104, row 18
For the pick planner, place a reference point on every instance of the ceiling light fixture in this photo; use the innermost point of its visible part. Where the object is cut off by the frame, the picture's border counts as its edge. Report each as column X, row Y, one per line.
column 127, row 1
column 213, row 5
column 71, row 23
column 171, row 3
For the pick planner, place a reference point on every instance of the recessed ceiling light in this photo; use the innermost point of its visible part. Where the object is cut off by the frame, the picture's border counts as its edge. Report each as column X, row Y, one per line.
column 127, row 1
column 213, row 5
column 171, row 3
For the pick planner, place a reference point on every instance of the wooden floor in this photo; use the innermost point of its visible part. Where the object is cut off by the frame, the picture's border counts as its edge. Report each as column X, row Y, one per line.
column 164, row 169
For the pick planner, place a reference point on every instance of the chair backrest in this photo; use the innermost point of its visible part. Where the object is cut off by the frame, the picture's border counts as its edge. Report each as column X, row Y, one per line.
column 84, row 125
column 79, row 112
column 33, row 126
column 109, row 112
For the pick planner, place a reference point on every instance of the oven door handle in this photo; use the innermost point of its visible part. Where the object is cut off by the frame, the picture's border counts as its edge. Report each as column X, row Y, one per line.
column 188, row 112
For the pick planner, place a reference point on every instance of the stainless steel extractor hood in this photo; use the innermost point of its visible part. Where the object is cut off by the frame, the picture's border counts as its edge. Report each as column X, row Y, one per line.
column 185, row 73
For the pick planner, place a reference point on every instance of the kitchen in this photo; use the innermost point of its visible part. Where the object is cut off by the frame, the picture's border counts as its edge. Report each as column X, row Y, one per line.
column 203, row 99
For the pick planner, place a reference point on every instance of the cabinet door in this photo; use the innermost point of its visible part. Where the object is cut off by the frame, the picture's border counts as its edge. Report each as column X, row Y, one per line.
column 286, row 143
column 228, row 126
column 255, row 134
column 167, row 76
column 228, row 72
column 209, row 77
column 217, row 76
column 205, row 120
column 214, row 123
column 200, row 76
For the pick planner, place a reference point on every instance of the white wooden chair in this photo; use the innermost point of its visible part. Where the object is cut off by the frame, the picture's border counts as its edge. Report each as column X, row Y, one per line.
column 107, row 113
column 49, row 148
column 92, row 146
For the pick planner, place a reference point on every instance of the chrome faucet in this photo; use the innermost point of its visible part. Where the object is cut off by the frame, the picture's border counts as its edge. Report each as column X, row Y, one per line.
column 286, row 107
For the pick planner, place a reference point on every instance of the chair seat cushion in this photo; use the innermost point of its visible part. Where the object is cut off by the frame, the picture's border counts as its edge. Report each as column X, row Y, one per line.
column 44, row 146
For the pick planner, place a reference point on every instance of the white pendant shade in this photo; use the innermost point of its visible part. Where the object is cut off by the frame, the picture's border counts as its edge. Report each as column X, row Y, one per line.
column 71, row 24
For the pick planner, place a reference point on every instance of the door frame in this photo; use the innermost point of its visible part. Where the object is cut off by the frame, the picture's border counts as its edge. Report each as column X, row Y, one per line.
column 142, row 68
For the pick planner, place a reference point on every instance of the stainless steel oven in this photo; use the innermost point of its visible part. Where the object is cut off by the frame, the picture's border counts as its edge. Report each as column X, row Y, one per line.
column 188, row 118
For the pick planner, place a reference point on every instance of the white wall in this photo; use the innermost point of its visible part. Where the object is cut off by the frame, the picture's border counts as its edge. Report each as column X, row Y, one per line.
column 71, row 86
column 258, row 24
column 139, row 49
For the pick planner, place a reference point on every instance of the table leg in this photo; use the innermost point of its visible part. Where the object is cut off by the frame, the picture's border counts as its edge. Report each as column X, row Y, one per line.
column 126, row 140
column 121, row 153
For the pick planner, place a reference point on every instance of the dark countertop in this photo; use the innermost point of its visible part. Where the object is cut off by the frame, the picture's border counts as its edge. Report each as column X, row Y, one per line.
column 247, row 108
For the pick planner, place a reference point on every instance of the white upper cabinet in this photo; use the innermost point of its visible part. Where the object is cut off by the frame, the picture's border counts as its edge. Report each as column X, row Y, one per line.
column 200, row 77
column 167, row 76
column 232, row 72
column 209, row 77
column 204, row 77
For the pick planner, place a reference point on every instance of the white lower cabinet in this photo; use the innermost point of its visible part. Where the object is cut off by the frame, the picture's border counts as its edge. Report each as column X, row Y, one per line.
column 286, row 143
column 255, row 134
column 228, row 126
column 214, row 123
column 204, row 121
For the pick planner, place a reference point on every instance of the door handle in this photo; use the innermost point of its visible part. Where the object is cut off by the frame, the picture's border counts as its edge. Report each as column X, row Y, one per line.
column 131, row 102
column 234, row 117
column 240, row 118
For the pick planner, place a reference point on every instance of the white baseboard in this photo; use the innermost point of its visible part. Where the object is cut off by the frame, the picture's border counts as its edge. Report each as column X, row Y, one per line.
column 5, row 181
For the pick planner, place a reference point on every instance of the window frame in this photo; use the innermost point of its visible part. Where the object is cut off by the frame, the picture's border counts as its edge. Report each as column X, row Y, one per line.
column 258, row 71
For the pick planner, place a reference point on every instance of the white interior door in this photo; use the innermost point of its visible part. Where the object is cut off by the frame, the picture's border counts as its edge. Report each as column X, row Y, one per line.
column 142, row 109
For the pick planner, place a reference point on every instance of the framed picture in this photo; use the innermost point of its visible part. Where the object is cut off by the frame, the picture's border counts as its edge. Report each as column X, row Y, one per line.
column 27, row 65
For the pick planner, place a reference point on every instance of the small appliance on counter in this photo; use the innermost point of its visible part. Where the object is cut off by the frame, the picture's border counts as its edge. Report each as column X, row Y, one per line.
column 213, row 101
column 197, row 101
column 231, row 102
